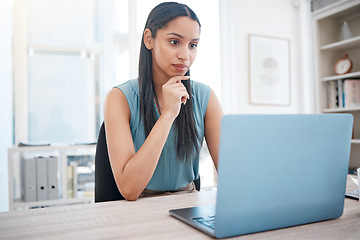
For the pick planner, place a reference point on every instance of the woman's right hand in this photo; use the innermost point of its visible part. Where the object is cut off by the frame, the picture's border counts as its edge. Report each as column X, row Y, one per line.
column 174, row 94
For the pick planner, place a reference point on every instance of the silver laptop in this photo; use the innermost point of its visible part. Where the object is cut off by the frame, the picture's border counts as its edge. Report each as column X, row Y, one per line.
column 276, row 171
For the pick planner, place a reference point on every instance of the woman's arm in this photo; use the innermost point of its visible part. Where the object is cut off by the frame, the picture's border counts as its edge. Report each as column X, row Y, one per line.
column 133, row 171
column 213, row 117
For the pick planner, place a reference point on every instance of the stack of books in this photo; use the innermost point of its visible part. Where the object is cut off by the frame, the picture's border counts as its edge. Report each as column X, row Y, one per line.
column 343, row 93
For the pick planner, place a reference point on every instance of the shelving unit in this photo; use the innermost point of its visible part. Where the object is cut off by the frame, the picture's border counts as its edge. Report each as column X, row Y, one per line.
column 342, row 45
column 65, row 155
column 328, row 48
column 349, row 75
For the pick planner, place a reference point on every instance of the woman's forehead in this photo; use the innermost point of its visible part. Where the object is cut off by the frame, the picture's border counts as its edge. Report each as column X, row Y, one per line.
column 183, row 26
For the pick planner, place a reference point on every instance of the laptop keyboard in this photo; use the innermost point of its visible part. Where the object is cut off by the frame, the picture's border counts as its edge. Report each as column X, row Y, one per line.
column 207, row 221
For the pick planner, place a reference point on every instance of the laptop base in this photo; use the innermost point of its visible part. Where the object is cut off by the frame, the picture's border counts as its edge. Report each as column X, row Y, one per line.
column 189, row 215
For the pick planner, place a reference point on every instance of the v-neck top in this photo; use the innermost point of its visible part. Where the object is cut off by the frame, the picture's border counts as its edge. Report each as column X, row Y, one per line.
column 170, row 173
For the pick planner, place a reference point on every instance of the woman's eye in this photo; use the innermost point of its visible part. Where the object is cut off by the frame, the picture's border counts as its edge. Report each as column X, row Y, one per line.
column 174, row 42
column 193, row 45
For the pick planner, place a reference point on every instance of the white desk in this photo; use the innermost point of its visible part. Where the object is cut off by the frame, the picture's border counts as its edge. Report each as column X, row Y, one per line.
column 149, row 218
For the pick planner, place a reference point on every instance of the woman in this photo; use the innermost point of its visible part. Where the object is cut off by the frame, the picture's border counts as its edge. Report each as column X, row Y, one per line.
column 155, row 124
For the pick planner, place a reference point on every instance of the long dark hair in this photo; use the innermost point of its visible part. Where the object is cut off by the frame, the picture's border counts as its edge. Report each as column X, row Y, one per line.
column 186, row 134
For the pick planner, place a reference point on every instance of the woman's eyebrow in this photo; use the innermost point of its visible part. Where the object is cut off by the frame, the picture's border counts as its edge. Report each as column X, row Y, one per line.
column 178, row 35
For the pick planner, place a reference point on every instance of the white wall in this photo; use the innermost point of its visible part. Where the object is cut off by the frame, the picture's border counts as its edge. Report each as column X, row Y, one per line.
column 276, row 18
column 6, row 93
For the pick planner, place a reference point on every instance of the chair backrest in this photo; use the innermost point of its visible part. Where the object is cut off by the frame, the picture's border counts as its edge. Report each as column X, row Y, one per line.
column 105, row 185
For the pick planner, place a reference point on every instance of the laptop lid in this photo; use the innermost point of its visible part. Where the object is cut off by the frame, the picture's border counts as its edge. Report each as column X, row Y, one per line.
column 277, row 171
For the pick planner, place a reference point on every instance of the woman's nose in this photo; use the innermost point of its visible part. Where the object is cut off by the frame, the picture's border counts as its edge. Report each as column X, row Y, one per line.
column 184, row 53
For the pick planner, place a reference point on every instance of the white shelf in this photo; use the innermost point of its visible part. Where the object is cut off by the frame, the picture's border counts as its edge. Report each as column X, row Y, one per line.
column 57, row 202
column 344, row 76
column 51, row 148
column 355, row 141
column 341, row 45
column 335, row 110
column 14, row 155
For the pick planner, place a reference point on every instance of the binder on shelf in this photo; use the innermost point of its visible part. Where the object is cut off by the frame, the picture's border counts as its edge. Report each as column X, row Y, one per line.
column 41, row 179
column 352, row 92
column 340, row 93
column 71, row 175
column 52, row 178
column 75, row 179
column 29, row 179
column 331, row 93
column 70, row 181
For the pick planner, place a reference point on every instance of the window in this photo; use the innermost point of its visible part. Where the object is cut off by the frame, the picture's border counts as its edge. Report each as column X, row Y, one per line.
column 62, row 96
column 62, row 71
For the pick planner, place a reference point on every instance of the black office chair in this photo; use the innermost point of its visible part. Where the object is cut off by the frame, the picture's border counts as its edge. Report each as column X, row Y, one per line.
column 105, row 185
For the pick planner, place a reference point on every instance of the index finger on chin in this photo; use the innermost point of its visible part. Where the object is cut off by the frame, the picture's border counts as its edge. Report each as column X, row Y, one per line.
column 179, row 78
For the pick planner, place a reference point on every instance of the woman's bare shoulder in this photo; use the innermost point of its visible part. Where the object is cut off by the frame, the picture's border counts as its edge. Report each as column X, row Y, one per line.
column 116, row 103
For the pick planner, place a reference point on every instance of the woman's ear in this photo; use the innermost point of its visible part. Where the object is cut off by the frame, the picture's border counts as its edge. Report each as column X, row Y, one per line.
column 148, row 40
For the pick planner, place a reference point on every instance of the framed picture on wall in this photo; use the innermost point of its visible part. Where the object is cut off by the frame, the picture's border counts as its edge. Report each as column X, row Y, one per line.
column 269, row 70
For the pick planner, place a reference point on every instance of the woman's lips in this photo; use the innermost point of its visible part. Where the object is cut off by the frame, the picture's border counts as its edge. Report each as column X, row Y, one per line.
column 180, row 67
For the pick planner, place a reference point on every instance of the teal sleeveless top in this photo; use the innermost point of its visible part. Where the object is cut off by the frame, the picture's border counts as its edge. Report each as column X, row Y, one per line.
column 170, row 173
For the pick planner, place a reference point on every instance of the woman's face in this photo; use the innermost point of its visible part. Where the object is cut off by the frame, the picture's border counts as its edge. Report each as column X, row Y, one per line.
column 174, row 48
